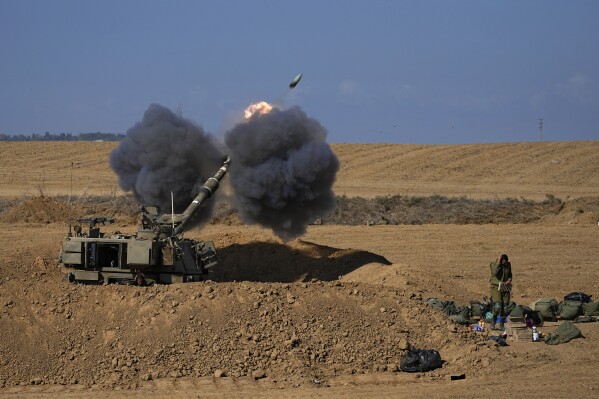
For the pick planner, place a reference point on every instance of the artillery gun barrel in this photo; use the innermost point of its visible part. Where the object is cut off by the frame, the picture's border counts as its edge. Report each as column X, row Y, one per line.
column 209, row 187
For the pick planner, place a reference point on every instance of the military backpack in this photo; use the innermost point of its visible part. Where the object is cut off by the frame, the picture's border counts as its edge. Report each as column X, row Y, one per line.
column 527, row 313
column 477, row 309
column 569, row 310
column 548, row 308
column 591, row 308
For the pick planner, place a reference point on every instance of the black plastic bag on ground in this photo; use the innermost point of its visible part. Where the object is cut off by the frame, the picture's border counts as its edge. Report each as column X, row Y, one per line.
column 499, row 340
column 578, row 297
column 418, row 360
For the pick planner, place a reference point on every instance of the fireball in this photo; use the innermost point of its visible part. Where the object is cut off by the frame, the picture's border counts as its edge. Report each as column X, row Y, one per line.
column 261, row 107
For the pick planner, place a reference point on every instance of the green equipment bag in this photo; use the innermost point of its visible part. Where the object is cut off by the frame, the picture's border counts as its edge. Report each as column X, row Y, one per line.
column 564, row 333
column 590, row 308
column 520, row 311
column 435, row 303
column 448, row 308
column 527, row 313
column 460, row 319
column 548, row 308
column 476, row 309
column 463, row 317
column 569, row 310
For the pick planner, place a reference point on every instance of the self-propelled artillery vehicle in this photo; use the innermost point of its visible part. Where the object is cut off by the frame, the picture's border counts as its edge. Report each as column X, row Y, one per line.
column 157, row 252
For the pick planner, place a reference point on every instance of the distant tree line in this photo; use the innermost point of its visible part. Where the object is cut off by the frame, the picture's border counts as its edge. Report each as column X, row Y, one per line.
column 63, row 137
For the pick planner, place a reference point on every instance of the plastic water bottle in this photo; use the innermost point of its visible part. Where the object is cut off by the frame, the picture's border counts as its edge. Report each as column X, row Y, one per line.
column 536, row 336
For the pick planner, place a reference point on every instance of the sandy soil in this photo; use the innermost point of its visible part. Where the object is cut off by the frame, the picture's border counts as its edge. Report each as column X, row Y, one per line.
column 529, row 170
column 338, row 307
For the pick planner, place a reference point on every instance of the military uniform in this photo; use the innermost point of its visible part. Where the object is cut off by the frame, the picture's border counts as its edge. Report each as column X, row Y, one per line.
column 499, row 274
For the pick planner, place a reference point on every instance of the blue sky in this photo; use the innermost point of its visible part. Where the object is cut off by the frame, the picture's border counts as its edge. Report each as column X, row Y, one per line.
column 374, row 71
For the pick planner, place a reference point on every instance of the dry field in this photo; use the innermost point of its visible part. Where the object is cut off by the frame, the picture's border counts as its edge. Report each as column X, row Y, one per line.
column 529, row 170
column 337, row 306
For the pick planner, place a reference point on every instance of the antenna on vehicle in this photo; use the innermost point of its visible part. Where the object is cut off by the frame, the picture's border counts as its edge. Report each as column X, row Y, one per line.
column 173, row 210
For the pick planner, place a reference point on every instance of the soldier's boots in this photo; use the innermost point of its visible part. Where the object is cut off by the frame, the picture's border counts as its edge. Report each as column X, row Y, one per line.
column 501, row 323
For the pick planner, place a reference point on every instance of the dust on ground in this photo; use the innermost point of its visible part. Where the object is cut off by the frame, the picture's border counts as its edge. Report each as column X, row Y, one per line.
column 344, row 319
column 330, row 314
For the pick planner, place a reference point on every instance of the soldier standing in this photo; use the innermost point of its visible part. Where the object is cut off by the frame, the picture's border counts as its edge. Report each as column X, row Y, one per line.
column 501, row 286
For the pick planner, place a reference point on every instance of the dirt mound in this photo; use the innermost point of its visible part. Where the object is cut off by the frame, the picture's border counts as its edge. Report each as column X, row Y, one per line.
column 583, row 210
column 289, row 332
column 41, row 210
column 272, row 261
column 391, row 210
column 60, row 209
column 225, row 213
column 120, row 335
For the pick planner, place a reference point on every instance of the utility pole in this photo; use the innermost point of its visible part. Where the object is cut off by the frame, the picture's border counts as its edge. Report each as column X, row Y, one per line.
column 71, row 196
column 540, row 129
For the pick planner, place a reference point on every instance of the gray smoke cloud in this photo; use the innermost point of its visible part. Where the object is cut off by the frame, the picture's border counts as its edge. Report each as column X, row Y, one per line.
column 282, row 170
column 163, row 153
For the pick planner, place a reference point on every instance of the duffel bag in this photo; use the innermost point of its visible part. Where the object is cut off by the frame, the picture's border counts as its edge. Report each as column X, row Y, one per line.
column 520, row 311
column 569, row 310
column 527, row 313
column 591, row 308
column 477, row 309
column 547, row 307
